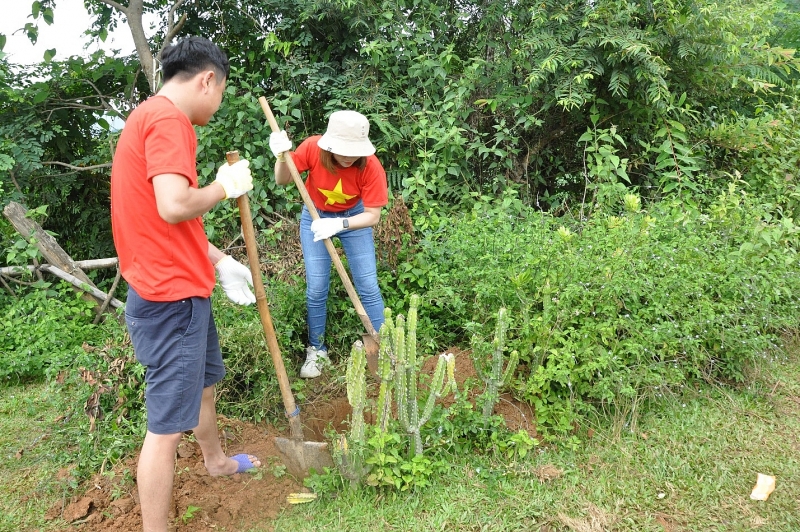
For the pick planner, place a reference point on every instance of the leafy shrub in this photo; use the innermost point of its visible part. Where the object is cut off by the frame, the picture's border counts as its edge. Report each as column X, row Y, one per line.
column 109, row 390
column 250, row 387
column 620, row 307
column 764, row 149
column 43, row 330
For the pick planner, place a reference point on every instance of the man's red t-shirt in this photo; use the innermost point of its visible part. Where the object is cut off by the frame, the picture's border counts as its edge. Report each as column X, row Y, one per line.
column 342, row 190
column 161, row 261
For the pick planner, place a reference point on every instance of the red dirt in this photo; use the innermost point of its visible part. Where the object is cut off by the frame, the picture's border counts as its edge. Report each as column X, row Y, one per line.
column 240, row 501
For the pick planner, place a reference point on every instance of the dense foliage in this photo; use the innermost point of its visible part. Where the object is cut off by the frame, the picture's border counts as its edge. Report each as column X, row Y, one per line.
column 43, row 332
column 620, row 176
column 624, row 306
column 464, row 98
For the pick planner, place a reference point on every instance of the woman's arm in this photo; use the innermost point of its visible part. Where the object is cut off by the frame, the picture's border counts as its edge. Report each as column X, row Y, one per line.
column 368, row 218
column 282, row 174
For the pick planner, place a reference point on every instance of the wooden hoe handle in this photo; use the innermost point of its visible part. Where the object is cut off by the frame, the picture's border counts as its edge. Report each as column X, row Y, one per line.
column 289, row 404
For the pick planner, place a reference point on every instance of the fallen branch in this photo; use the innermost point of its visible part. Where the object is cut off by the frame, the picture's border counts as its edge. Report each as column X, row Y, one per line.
column 102, row 296
column 109, row 297
column 94, row 264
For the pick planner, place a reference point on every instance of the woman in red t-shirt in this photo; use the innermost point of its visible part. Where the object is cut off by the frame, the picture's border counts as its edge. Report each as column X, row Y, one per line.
column 347, row 184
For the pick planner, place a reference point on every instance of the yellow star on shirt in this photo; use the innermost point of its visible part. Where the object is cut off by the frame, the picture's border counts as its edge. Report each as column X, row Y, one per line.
column 336, row 195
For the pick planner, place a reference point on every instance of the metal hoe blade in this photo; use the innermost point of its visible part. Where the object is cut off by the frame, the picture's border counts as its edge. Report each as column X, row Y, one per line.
column 300, row 457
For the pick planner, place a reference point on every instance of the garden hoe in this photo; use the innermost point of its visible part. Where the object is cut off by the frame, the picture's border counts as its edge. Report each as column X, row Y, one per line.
column 298, row 455
column 371, row 340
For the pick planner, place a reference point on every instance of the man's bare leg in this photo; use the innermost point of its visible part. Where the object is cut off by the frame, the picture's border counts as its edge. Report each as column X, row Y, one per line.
column 154, row 476
column 207, row 435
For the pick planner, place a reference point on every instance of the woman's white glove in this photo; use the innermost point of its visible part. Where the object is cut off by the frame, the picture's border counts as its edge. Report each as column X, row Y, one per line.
column 326, row 227
column 279, row 142
column 235, row 178
column 234, row 278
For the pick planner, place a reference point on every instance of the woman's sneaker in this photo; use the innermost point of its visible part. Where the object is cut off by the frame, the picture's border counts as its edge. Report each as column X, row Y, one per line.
column 315, row 360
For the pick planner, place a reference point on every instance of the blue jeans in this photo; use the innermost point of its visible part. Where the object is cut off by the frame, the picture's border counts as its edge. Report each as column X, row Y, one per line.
column 360, row 251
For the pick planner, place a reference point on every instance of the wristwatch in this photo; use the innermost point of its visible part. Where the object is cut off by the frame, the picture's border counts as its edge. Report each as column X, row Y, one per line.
column 345, row 223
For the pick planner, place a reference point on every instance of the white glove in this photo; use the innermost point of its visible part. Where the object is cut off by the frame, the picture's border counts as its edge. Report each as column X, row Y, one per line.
column 234, row 278
column 326, row 227
column 279, row 142
column 235, row 178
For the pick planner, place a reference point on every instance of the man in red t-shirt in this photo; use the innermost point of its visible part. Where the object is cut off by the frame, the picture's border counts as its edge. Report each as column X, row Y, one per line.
column 164, row 255
column 347, row 184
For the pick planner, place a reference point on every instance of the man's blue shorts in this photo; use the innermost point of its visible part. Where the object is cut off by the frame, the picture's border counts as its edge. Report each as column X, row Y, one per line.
column 177, row 343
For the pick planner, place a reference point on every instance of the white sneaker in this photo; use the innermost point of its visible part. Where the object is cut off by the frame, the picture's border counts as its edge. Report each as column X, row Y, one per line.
column 315, row 360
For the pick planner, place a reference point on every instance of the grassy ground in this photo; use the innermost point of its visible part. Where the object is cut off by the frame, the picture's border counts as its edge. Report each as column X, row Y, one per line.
column 688, row 464
column 33, row 453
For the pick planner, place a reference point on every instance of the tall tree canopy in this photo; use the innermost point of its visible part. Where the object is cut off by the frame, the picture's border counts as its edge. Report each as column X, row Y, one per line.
column 467, row 98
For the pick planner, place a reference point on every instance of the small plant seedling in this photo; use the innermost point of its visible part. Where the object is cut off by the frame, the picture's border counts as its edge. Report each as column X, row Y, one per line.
column 189, row 513
column 278, row 470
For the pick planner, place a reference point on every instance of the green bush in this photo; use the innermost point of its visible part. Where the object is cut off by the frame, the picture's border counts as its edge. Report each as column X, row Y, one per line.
column 43, row 329
column 616, row 308
column 764, row 149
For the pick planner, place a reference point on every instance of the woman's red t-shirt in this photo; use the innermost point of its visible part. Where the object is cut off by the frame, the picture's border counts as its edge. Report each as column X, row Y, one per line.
column 342, row 190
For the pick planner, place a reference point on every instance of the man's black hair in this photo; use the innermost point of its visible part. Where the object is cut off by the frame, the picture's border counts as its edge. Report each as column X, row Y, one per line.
column 191, row 55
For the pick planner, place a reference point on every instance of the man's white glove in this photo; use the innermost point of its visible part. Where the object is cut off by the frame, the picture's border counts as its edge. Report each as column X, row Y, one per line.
column 234, row 278
column 279, row 142
column 235, row 178
column 326, row 227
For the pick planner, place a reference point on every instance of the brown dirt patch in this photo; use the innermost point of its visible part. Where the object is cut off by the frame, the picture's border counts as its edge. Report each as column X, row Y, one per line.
column 222, row 503
column 517, row 414
column 246, row 500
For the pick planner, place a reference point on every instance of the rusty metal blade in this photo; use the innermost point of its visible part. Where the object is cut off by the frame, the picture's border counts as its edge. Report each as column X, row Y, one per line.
column 301, row 456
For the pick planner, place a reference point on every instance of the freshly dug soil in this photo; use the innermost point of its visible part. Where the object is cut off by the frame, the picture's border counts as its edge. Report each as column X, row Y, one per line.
column 242, row 501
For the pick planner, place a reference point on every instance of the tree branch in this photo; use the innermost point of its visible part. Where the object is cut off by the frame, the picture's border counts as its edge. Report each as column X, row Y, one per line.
column 172, row 28
column 103, row 97
column 118, row 7
column 82, row 285
column 78, row 168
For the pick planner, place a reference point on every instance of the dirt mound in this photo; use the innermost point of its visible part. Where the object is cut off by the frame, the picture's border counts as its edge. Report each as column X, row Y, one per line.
column 202, row 502
column 517, row 415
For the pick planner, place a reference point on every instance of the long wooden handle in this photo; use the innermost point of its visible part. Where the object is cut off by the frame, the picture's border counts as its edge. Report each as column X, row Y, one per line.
column 295, row 426
column 337, row 262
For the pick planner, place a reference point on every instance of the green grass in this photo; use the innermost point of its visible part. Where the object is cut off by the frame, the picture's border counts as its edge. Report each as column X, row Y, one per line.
column 688, row 463
column 33, row 450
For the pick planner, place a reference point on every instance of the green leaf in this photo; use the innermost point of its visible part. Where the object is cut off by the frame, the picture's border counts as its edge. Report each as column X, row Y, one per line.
column 42, row 95
column 48, row 56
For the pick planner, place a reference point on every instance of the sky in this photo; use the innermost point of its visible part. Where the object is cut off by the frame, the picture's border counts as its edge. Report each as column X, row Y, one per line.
column 70, row 20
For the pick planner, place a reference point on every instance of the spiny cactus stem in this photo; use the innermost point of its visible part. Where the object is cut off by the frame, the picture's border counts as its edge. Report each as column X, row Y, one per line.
column 356, row 390
column 437, row 384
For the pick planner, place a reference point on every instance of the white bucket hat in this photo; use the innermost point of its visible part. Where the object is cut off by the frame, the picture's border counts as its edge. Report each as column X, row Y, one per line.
column 347, row 135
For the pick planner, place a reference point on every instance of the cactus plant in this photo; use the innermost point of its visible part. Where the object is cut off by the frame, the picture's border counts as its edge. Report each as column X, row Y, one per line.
column 347, row 448
column 398, row 373
column 495, row 377
column 386, row 368
column 357, row 390
column 401, row 337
